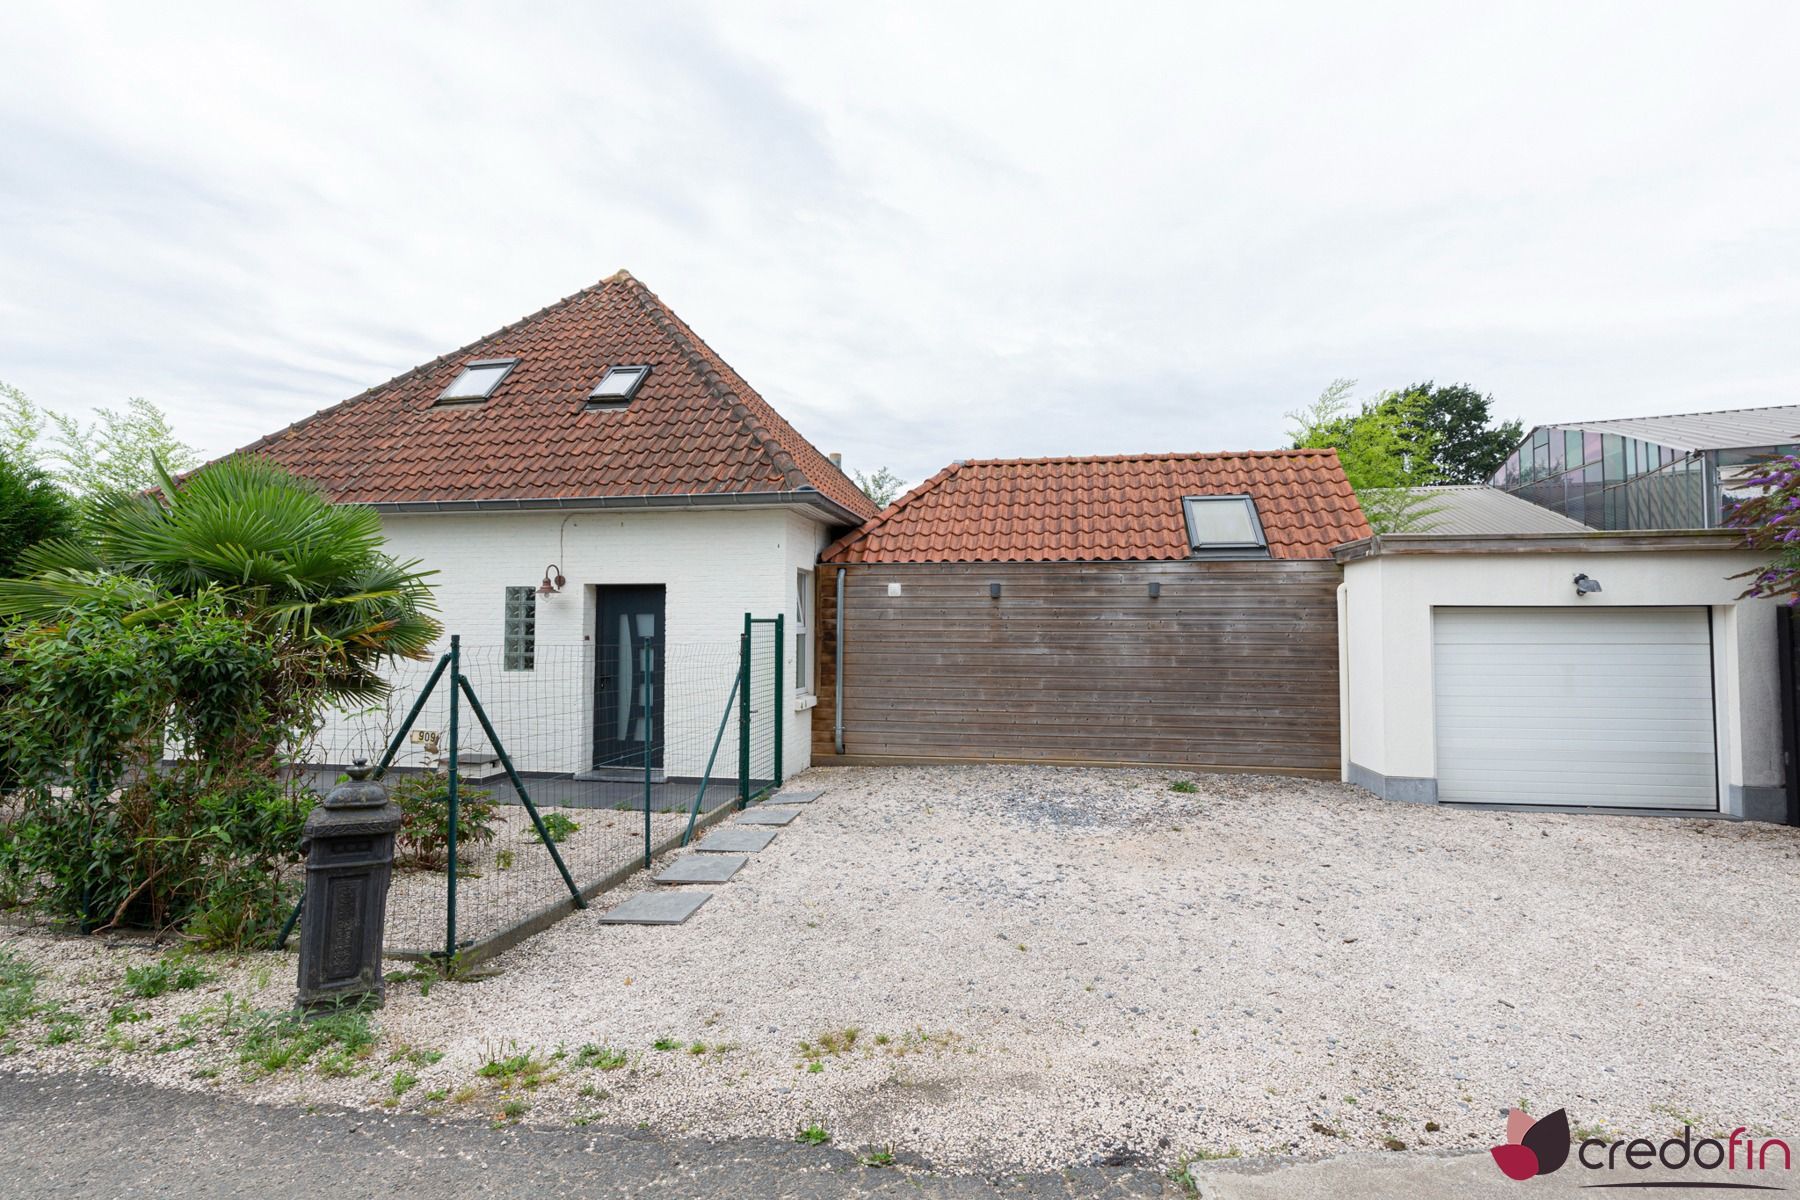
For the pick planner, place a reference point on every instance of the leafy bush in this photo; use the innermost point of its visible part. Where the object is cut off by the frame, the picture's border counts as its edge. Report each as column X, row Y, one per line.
column 423, row 842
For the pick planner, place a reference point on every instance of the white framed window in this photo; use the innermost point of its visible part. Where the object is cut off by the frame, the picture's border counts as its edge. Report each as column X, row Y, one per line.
column 803, row 635
column 520, row 648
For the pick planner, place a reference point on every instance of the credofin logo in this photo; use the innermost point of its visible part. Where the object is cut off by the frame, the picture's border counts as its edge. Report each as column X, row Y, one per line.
column 1533, row 1148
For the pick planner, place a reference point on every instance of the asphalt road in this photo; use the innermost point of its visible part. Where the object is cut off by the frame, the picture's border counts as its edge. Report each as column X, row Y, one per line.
column 95, row 1136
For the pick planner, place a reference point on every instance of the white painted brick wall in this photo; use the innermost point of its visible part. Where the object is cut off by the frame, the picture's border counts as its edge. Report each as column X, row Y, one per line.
column 714, row 564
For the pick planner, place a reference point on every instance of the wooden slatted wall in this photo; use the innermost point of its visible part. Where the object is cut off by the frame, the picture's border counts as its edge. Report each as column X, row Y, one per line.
column 1234, row 665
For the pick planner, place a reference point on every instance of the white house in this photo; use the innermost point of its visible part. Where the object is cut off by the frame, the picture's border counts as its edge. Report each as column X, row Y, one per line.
column 587, row 481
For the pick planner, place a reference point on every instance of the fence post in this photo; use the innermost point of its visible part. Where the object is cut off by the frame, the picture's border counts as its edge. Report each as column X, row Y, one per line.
column 780, row 697
column 455, row 765
column 649, row 665
column 744, row 715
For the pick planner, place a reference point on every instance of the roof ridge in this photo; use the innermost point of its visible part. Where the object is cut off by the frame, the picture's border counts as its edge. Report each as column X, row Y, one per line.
column 619, row 276
column 881, row 518
column 1147, row 456
column 684, row 341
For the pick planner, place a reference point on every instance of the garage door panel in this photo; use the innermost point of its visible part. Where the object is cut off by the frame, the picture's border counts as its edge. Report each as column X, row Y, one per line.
column 1596, row 707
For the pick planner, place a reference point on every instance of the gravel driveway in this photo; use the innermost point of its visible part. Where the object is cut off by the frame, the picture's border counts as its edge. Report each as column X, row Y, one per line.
column 1047, row 966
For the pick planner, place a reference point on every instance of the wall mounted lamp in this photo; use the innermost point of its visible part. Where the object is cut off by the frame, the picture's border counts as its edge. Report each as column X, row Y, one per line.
column 553, row 581
column 1585, row 585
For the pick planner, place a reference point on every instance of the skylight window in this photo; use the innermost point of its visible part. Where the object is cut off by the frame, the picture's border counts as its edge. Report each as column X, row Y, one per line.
column 618, row 385
column 477, row 380
column 1224, row 526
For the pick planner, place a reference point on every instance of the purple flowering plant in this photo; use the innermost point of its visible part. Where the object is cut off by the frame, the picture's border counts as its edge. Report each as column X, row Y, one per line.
column 1771, row 522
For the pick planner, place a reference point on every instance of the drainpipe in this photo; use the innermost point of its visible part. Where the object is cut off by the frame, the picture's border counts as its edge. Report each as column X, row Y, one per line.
column 837, row 673
column 1343, row 648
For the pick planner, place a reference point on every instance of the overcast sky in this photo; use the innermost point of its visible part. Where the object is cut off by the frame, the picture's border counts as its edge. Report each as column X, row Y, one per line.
column 924, row 232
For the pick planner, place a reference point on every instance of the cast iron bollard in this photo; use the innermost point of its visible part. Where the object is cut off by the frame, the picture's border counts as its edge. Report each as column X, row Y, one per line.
column 349, row 847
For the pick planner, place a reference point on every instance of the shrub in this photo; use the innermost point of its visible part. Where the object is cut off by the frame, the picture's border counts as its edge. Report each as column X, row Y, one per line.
column 559, row 827
column 424, row 838
column 1771, row 521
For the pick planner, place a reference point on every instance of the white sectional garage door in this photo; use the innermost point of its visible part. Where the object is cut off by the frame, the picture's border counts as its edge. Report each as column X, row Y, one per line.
column 1603, row 707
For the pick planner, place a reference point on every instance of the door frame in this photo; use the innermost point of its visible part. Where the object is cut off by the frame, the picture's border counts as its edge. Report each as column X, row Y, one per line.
column 607, row 753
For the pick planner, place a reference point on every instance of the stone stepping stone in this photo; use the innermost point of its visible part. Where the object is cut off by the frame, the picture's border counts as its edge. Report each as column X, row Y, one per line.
column 735, row 840
column 703, row 868
column 766, row 816
column 794, row 797
column 656, row 908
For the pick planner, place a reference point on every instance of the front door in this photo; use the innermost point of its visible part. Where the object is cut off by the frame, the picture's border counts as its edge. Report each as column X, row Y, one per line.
column 630, row 619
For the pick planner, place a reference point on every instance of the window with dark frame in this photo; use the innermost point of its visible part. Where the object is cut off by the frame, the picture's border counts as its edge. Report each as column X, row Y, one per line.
column 477, row 380
column 1224, row 527
column 520, row 652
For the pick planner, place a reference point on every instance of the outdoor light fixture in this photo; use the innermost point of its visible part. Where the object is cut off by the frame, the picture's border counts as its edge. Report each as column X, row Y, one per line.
column 553, row 581
column 993, row 591
column 1155, row 589
column 1585, row 584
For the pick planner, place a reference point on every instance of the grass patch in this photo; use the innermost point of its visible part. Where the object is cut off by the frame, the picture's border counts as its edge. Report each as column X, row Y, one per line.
column 341, row 1039
column 813, row 1135
column 18, row 990
column 665, row 1043
column 831, row 1043
column 512, row 1110
column 1186, row 787
column 520, row 1068
column 404, row 1082
column 880, row 1157
column 164, row 975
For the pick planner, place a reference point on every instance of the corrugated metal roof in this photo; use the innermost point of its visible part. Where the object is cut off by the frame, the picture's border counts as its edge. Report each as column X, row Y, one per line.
column 1478, row 508
column 1730, row 429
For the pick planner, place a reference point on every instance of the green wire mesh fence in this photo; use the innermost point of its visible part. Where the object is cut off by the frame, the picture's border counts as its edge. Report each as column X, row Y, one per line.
column 563, row 776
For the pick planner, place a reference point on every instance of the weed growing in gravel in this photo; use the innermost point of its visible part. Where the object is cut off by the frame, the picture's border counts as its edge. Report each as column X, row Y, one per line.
column 696, row 1048
column 878, row 1157
column 1207, row 1155
column 813, row 1135
column 271, row 1041
column 164, row 975
column 588, row 1091
column 519, row 1067
column 665, row 1043
column 559, row 827
column 465, row 1094
column 600, row 1058
column 1182, row 1176
column 815, row 1067
column 18, row 990
column 512, row 1110
column 65, row 1026
column 1186, row 787
column 437, row 1095
column 503, row 860
column 404, row 1082
column 126, row 1014
column 831, row 1043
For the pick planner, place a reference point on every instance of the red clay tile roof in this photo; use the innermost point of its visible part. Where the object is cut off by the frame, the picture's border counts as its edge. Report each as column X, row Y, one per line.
column 1122, row 507
column 695, row 427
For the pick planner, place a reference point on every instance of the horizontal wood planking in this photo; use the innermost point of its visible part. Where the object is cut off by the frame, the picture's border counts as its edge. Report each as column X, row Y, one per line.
column 1233, row 665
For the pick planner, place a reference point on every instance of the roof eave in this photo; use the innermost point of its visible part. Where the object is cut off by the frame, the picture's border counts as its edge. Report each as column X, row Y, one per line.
column 803, row 498
column 1599, row 541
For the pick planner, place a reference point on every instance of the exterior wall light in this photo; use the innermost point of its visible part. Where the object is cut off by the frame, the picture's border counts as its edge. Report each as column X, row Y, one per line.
column 1585, row 584
column 553, row 581
column 993, row 591
column 1155, row 589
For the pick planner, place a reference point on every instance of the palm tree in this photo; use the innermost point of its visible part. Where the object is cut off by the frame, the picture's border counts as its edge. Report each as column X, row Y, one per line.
column 272, row 544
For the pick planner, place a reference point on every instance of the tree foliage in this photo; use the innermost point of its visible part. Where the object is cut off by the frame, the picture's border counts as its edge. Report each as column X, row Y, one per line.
column 1384, row 445
column 1772, row 522
column 32, row 509
column 1466, row 445
column 117, row 451
column 882, row 488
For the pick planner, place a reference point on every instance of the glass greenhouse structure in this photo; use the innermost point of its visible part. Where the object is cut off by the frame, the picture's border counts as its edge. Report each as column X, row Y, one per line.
column 1671, row 472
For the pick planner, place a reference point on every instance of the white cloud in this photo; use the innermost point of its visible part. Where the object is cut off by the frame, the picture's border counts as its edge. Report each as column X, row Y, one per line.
column 926, row 231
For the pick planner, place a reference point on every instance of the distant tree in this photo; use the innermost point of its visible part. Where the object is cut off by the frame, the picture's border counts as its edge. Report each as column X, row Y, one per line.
column 1385, row 447
column 32, row 510
column 115, row 452
column 881, row 488
column 1465, row 443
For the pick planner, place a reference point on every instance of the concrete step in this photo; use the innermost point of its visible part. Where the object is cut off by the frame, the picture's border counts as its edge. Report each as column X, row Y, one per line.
column 703, row 868
column 656, row 908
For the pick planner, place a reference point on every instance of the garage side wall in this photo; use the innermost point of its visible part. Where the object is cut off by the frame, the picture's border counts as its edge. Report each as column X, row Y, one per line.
column 1234, row 665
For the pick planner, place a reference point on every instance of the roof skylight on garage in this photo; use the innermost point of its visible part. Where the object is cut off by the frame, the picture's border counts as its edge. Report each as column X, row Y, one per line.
column 1224, row 526
column 477, row 380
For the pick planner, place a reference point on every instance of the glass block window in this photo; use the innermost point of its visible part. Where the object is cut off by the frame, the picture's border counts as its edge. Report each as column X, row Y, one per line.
column 521, row 629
